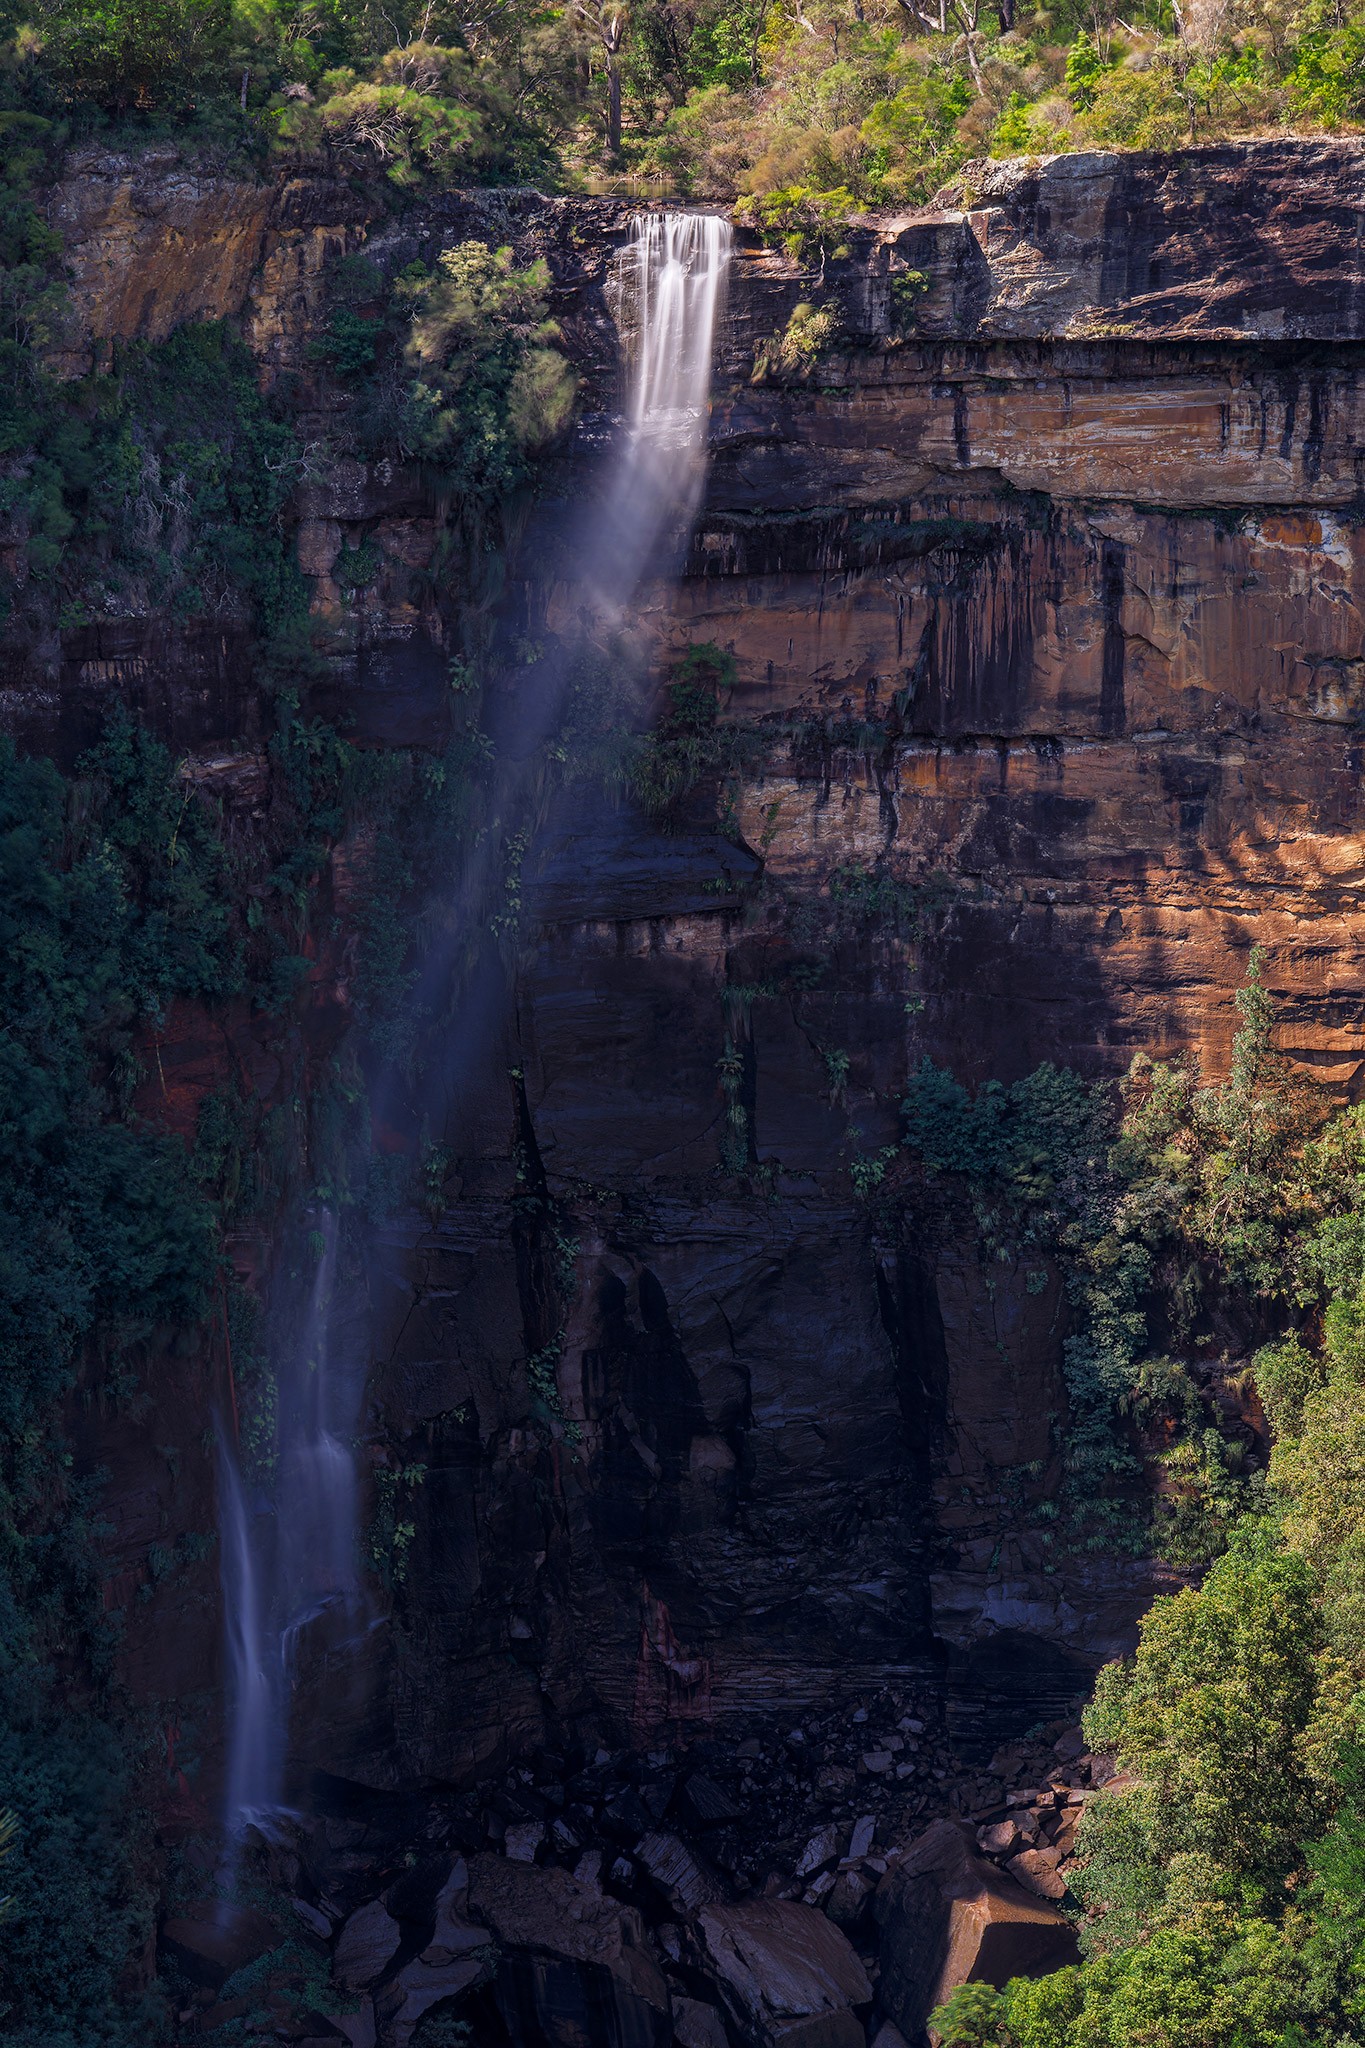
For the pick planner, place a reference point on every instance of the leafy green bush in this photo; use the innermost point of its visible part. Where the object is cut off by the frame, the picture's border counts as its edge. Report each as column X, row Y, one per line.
column 412, row 114
column 162, row 481
column 686, row 744
column 1138, row 109
column 1221, row 1877
column 809, row 333
column 1328, row 78
column 1217, row 1716
column 127, row 53
column 80, row 1908
column 1026, row 130
column 489, row 388
column 1085, row 67
column 1195, row 1196
column 807, row 224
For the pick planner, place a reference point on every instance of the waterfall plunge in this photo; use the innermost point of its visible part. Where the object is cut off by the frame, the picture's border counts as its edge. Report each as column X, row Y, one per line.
column 673, row 281
column 290, row 1562
column 289, row 1555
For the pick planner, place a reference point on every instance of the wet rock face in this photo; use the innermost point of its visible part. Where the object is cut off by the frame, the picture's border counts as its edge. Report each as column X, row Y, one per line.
column 1046, row 609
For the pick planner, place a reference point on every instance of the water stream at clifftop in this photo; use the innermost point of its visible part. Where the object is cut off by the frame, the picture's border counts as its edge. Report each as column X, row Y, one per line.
column 289, row 1547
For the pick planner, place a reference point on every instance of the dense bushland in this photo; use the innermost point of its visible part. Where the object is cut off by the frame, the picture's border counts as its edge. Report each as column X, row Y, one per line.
column 1213, row 1239
column 111, row 905
column 123, row 891
column 810, row 107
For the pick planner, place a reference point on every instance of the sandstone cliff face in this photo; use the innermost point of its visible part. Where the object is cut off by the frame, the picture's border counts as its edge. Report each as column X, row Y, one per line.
column 1049, row 610
column 1065, row 634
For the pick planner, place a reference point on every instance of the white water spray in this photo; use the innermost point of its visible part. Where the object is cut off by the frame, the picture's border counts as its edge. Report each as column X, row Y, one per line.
column 290, row 1566
column 254, row 1706
column 674, row 274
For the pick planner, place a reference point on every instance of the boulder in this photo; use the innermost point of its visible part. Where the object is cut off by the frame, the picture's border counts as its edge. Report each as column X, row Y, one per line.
column 316, row 1922
column 820, row 1851
column 367, row 1945
column 706, row 1804
column 948, row 1917
column 211, row 1938
column 1037, row 1870
column 682, row 1878
column 453, row 1935
column 418, row 1989
column 787, row 1977
column 698, row 2026
column 864, row 1833
column 847, row 1901
column 356, row 2027
column 575, row 1967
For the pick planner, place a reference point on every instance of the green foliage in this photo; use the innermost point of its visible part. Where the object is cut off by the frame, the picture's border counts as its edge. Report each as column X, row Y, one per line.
column 809, row 333
column 735, row 1138
column 1022, row 1145
column 79, row 1908
column 1216, row 1717
column 111, row 906
column 807, row 224
column 489, row 388
column 356, row 568
column 1222, row 1875
column 1131, row 109
column 1198, row 1194
column 1328, row 78
column 98, row 1218
column 907, row 288
column 687, row 743
column 350, row 343
column 910, row 137
column 862, row 896
column 973, row 2017
column 121, row 53
column 392, row 1529
column 1084, row 69
column 807, row 112
column 1023, row 130
column 162, row 481
column 443, row 2030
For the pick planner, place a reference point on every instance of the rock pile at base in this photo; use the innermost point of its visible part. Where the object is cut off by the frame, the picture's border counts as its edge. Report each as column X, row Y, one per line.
column 796, row 1890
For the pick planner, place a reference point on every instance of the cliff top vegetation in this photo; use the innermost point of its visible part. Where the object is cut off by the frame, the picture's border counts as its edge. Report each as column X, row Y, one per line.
column 808, row 107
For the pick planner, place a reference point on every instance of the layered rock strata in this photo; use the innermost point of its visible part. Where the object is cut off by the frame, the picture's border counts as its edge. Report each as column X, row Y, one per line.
column 1044, row 611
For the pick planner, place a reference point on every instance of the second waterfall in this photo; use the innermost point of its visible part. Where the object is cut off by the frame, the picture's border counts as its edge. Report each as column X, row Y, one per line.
column 291, row 1570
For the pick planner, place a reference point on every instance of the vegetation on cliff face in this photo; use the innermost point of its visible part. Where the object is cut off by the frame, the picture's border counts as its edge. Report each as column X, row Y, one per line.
column 123, row 891
column 111, row 905
column 161, row 481
column 1223, row 1886
column 1201, row 1225
column 156, row 482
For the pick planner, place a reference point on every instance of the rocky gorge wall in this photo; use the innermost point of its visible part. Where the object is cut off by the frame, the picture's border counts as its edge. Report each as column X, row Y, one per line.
column 1044, row 611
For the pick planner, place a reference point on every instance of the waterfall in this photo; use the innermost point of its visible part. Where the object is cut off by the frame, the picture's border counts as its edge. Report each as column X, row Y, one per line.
column 291, row 1566
column 674, row 280
column 289, row 1551
column 254, row 1706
